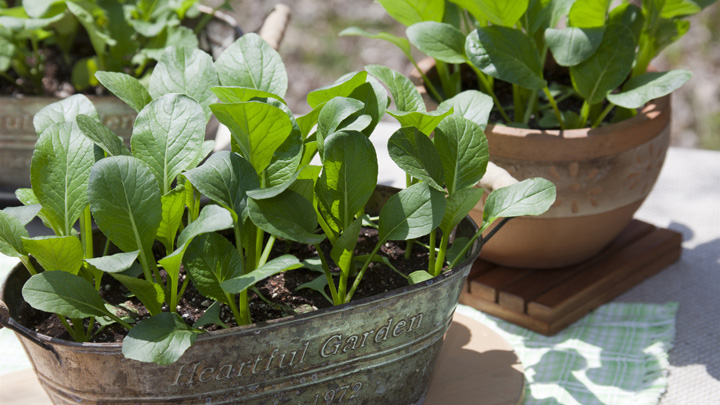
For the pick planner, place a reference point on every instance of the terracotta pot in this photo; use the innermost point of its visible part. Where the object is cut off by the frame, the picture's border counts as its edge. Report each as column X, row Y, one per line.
column 376, row 350
column 602, row 177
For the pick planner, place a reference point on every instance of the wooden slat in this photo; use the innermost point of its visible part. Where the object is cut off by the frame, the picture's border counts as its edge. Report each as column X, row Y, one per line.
column 567, row 296
column 487, row 285
column 516, row 295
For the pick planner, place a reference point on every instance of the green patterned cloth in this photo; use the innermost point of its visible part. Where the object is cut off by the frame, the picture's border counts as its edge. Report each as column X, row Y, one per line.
column 617, row 354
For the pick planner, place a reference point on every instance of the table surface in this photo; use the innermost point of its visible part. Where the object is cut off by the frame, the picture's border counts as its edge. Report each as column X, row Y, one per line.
column 686, row 199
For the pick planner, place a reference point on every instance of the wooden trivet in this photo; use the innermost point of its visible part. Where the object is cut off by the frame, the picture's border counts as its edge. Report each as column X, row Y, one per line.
column 547, row 301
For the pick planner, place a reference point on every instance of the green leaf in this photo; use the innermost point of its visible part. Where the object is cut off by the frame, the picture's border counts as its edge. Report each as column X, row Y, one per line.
column 374, row 98
column 251, row 62
column 342, row 250
column 258, row 129
column 239, row 284
column 425, row 122
column 559, row 9
column 117, row 263
column 24, row 214
column 211, row 259
column 506, row 54
column 499, row 12
column 212, row 218
column 286, row 160
column 438, row 40
column 459, row 204
column 409, row 12
column 571, row 46
column 27, row 197
column 101, row 135
column 11, row 235
column 529, row 197
column 211, row 316
column 185, row 71
column 470, row 104
column 41, row 8
column 308, row 121
column 99, row 39
column 305, row 183
column 167, row 135
column 589, row 13
column 125, row 202
column 173, row 208
column 456, row 249
column 415, row 153
column 205, row 150
column 149, row 293
column 126, row 88
column 83, row 73
column 64, row 110
column 400, row 42
column 419, row 276
column 648, row 86
column 411, row 213
column 404, row 92
column 342, row 88
column 630, row 16
column 7, row 54
column 337, row 114
column 59, row 173
column 463, row 152
column 225, row 178
column 161, row 339
column 608, row 67
column 318, row 284
column 63, row 253
column 65, row 294
column 679, row 8
column 236, row 94
column 288, row 215
column 349, row 176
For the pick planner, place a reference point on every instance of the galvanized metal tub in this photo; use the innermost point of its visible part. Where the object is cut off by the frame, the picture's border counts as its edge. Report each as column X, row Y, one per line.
column 376, row 350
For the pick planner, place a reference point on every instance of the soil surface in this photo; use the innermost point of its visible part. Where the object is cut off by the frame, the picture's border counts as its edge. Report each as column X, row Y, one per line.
column 280, row 295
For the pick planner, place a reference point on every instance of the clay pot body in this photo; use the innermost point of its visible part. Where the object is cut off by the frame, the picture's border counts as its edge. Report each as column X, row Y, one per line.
column 602, row 176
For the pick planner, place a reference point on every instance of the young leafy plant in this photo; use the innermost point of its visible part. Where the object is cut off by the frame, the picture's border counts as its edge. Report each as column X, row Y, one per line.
column 604, row 52
column 268, row 187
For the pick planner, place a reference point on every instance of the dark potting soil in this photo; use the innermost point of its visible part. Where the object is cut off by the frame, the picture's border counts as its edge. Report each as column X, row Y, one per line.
column 280, row 295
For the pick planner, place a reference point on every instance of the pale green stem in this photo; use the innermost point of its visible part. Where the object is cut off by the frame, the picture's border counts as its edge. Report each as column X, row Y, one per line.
column 266, row 252
column 28, row 265
column 361, row 273
column 489, row 90
column 328, row 276
column 426, row 81
column 431, row 252
column 554, row 105
column 604, row 114
column 441, row 254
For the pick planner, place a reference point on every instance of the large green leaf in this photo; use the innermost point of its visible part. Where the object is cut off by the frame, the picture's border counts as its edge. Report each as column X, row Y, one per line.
column 349, row 176
column 529, row 197
column 285, row 163
column 11, row 234
column 125, row 202
column 649, row 86
column 116, row 263
column 251, row 62
column 27, row 197
column 126, row 88
column 463, row 152
column 62, row 111
column 608, row 67
column 344, row 246
column 438, row 40
column 409, row 12
column 337, row 114
column 173, row 208
column 374, row 98
column 411, row 213
column 589, row 13
column 99, row 39
column 415, row 153
column 62, row 293
column 404, row 92
column 225, row 178
column 151, row 294
column 506, row 54
column 59, row 173
column 185, row 71
column 459, row 204
column 470, row 104
column 341, row 88
column 288, row 215
column 425, row 122
column 278, row 265
column 258, row 129
column 679, row 8
column 571, row 46
column 161, row 339
column 63, row 253
column 167, row 135
column 101, row 135
column 237, row 94
column 499, row 12
column 24, row 213
column 211, row 259
column 42, row 8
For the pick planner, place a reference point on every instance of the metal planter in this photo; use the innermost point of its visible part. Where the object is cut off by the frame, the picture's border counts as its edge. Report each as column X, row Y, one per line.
column 376, row 350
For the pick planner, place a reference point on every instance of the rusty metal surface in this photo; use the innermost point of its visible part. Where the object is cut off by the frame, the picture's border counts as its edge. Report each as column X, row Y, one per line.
column 380, row 349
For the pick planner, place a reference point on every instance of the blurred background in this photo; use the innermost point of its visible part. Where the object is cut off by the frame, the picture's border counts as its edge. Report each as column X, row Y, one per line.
column 315, row 56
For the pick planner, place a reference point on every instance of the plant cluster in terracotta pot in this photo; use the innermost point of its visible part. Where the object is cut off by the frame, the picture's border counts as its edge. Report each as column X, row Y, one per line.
column 263, row 194
column 574, row 103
